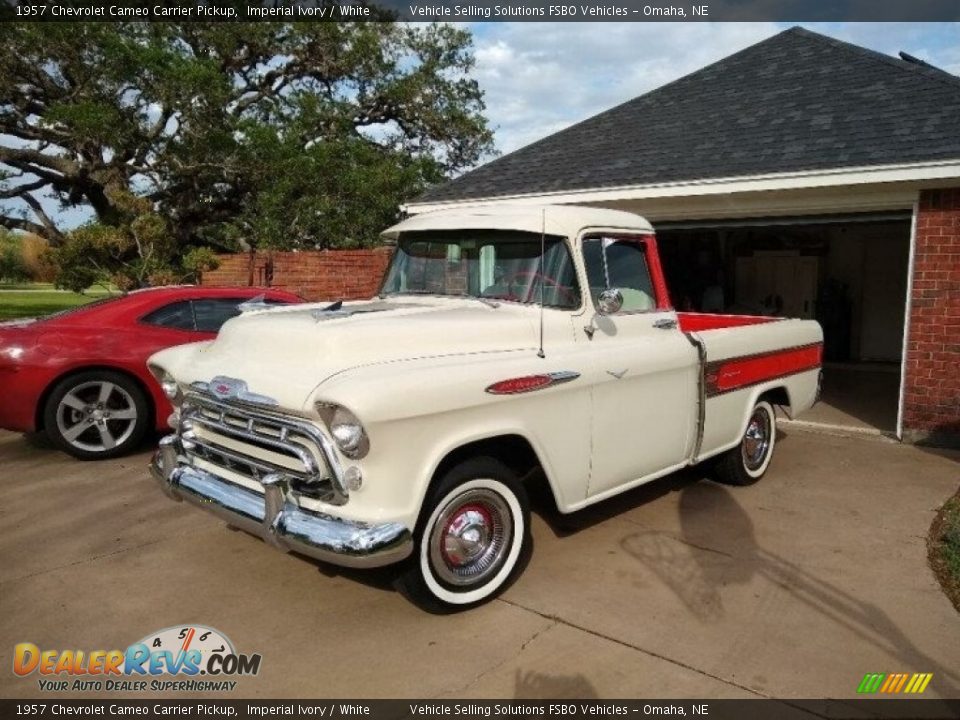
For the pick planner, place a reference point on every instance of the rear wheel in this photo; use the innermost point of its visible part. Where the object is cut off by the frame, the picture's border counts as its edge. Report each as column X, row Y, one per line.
column 748, row 461
column 96, row 414
column 474, row 530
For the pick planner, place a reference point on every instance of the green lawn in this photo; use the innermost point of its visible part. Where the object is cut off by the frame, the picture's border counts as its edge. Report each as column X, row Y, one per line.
column 41, row 300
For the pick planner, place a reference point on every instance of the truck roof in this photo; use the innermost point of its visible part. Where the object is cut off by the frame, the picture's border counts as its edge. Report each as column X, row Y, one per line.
column 562, row 220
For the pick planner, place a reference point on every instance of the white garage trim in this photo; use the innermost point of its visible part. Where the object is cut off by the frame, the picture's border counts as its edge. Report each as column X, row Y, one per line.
column 928, row 173
column 906, row 317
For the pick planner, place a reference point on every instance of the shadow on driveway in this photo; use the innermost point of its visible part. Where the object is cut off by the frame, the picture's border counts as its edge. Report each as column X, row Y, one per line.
column 710, row 518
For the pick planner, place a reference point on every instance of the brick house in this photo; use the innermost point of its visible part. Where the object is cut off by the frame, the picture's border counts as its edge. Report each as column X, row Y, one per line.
column 802, row 176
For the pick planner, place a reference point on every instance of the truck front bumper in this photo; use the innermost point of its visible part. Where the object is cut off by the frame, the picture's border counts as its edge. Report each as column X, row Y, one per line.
column 277, row 518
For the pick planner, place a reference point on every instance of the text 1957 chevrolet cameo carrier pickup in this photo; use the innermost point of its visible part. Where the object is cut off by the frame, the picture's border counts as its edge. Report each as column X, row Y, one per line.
column 504, row 341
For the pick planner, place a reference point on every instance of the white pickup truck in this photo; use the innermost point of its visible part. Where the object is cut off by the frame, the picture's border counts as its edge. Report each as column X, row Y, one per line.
column 505, row 344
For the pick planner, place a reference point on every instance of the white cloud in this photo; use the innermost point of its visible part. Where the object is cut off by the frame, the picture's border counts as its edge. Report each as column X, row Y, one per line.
column 541, row 77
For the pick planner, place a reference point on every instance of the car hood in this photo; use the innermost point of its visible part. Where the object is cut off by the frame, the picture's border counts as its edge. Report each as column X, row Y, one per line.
column 284, row 353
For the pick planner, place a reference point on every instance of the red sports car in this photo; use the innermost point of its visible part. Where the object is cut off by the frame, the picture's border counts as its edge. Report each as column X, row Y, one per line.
column 81, row 375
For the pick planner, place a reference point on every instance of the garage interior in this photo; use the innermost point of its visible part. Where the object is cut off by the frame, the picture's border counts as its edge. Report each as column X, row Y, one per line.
column 848, row 272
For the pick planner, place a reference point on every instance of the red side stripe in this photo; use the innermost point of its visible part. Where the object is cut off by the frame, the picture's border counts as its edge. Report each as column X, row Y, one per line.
column 726, row 375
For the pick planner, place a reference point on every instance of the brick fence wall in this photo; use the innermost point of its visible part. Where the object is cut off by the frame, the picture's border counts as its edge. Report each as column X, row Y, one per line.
column 312, row 274
column 932, row 386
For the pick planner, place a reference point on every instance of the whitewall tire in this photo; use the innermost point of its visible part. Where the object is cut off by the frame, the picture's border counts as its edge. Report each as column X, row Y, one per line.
column 749, row 460
column 471, row 538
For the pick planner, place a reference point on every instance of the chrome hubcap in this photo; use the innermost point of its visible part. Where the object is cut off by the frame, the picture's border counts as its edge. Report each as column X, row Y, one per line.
column 756, row 441
column 96, row 416
column 470, row 538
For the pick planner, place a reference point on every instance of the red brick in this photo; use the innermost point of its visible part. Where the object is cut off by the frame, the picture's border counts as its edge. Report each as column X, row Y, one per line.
column 932, row 384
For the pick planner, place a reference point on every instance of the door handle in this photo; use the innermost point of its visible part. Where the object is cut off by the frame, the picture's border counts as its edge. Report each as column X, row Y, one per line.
column 665, row 324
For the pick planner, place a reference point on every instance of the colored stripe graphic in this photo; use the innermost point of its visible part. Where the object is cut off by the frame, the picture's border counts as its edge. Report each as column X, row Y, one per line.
column 723, row 376
column 919, row 682
column 871, row 683
column 893, row 683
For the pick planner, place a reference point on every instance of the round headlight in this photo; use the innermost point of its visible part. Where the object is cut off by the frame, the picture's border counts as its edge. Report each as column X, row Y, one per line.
column 169, row 386
column 348, row 436
column 346, row 429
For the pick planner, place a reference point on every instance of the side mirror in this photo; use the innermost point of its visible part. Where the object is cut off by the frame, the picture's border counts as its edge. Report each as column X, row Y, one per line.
column 610, row 301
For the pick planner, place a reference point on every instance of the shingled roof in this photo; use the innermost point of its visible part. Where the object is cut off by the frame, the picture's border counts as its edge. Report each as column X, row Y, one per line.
column 796, row 101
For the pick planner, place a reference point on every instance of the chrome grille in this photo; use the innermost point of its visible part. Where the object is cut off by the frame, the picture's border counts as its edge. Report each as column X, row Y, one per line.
column 255, row 443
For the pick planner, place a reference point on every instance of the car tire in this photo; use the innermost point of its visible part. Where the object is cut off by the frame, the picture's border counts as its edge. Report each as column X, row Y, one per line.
column 473, row 536
column 96, row 414
column 748, row 461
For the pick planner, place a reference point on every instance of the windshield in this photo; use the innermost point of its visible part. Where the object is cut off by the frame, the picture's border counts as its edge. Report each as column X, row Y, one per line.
column 491, row 264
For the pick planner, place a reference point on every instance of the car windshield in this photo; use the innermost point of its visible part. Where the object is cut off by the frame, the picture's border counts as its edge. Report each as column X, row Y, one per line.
column 486, row 264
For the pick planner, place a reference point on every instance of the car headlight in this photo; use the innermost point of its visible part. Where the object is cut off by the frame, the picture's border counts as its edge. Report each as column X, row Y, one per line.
column 346, row 429
column 169, row 386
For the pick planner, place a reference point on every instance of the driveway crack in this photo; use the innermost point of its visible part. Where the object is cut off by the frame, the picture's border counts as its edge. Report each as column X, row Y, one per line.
column 486, row 671
column 84, row 561
column 561, row 621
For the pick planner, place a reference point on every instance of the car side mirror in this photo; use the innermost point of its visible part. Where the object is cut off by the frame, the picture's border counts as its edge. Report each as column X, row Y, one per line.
column 610, row 301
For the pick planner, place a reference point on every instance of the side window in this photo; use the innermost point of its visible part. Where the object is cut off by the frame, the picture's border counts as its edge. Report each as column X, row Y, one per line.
column 213, row 313
column 622, row 264
column 177, row 315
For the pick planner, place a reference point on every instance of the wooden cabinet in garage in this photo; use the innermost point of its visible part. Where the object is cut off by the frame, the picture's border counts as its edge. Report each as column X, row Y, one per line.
column 780, row 283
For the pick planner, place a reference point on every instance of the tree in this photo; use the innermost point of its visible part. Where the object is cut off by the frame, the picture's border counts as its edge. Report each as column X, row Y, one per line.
column 280, row 135
column 12, row 266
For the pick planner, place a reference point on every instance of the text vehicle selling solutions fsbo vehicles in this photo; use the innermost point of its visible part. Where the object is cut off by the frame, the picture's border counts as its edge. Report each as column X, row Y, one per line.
column 506, row 344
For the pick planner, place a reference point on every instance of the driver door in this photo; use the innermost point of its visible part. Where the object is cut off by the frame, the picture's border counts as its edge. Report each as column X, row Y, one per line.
column 645, row 369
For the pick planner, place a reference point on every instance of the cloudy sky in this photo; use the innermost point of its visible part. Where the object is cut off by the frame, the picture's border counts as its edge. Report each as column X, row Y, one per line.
column 541, row 77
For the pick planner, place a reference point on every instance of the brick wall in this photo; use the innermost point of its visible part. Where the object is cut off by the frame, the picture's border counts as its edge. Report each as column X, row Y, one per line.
column 312, row 274
column 932, row 386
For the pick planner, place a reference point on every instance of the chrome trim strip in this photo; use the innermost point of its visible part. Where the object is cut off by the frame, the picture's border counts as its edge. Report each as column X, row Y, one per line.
column 275, row 517
column 697, row 343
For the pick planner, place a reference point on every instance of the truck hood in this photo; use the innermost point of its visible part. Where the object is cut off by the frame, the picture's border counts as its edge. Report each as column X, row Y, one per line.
column 284, row 353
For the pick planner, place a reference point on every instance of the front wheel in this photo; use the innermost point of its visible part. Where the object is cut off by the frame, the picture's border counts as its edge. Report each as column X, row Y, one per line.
column 96, row 414
column 473, row 533
column 748, row 461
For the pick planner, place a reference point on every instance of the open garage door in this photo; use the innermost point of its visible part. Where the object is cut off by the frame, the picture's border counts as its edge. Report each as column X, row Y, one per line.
column 848, row 272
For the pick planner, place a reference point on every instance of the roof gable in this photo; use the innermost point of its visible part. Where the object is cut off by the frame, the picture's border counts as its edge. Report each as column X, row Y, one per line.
column 796, row 101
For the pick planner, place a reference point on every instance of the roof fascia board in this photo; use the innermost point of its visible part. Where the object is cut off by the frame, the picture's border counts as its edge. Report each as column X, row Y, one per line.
column 833, row 177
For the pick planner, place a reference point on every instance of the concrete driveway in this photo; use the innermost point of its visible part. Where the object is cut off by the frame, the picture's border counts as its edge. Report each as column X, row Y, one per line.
column 795, row 587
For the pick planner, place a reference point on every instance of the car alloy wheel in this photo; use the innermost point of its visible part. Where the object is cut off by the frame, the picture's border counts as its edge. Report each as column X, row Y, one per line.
column 96, row 416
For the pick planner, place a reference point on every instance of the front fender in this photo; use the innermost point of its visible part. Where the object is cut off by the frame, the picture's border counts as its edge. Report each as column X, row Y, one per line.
column 417, row 412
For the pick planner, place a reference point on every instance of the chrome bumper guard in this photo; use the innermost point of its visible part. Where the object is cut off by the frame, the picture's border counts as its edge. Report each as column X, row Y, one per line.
column 277, row 519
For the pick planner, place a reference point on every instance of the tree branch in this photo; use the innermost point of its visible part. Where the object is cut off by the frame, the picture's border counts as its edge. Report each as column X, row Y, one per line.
column 14, row 223
column 21, row 189
column 52, row 233
column 18, row 157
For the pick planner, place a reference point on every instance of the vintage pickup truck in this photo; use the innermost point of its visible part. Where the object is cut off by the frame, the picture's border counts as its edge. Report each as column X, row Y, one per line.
column 505, row 345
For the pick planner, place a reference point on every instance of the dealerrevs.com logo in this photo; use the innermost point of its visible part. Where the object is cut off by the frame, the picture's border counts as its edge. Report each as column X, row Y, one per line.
column 198, row 658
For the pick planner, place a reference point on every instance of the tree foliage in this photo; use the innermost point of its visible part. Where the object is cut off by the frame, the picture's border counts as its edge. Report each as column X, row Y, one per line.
column 226, row 134
column 12, row 265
